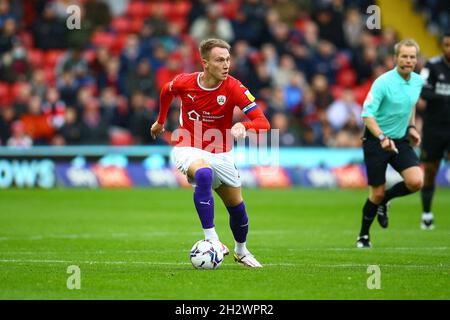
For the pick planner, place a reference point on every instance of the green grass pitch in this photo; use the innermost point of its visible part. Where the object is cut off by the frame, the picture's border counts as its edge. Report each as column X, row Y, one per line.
column 134, row 244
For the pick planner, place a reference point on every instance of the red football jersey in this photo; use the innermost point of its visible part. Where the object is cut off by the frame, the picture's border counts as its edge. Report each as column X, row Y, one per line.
column 206, row 114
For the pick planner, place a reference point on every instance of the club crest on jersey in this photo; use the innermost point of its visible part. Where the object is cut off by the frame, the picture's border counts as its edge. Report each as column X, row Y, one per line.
column 221, row 100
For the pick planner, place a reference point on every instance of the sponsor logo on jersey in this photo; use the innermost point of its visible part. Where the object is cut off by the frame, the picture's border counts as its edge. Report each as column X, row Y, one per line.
column 193, row 115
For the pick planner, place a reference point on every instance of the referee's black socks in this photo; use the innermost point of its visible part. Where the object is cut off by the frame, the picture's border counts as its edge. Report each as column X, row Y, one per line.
column 427, row 196
column 369, row 213
column 398, row 190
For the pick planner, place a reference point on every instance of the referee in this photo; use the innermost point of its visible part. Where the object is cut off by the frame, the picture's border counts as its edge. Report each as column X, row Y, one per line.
column 436, row 125
column 390, row 133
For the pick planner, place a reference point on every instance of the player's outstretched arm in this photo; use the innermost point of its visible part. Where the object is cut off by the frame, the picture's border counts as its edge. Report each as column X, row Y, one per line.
column 156, row 130
column 258, row 121
column 165, row 99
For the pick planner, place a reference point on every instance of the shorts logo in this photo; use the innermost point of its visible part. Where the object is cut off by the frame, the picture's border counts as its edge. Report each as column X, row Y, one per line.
column 221, row 100
column 193, row 115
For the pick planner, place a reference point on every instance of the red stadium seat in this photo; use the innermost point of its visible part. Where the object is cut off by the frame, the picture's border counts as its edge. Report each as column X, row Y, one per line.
column 179, row 10
column 336, row 91
column 121, row 137
column 15, row 89
column 121, row 24
column 5, row 94
column 105, row 39
column 118, row 44
column 346, row 78
column 135, row 25
column 89, row 55
column 50, row 76
column 36, row 57
column 52, row 57
column 137, row 9
column 27, row 39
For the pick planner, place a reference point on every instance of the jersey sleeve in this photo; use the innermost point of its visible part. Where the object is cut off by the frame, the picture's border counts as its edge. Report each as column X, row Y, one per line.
column 429, row 83
column 373, row 99
column 176, row 84
column 168, row 91
column 243, row 98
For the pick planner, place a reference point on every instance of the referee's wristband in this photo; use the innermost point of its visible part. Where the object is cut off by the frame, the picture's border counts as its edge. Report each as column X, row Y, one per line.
column 411, row 126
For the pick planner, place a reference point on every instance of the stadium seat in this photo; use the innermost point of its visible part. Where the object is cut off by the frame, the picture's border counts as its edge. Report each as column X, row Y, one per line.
column 89, row 55
column 15, row 89
column 50, row 75
column 135, row 25
column 121, row 24
column 5, row 97
column 336, row 91
column 35, row 57
column 179, row 10
column 52, row 57
column 346, row 78
column 137, row 9
column 121, row 137
column 27, row 39
column 101, row 38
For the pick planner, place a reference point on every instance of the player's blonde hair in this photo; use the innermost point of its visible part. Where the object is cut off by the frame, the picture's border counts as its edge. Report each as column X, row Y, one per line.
column 207, row 45
column 407, row 43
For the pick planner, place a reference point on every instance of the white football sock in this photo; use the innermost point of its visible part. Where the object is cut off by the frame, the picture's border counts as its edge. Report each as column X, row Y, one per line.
column 427, row 216
column 211, row 234
column 241, row 248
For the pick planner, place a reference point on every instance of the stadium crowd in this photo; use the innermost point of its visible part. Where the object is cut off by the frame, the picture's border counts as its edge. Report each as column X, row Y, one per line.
column 309, row 64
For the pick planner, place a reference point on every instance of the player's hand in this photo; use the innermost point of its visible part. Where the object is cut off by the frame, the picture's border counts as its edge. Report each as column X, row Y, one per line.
column 238, row 131
column 389, row 145
column 413, row 137
column 156, row 129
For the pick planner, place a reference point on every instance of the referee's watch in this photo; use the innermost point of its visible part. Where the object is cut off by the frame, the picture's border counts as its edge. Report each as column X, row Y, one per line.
column 381, row 137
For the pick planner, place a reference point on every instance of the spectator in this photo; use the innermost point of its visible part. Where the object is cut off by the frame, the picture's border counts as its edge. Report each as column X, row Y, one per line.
column 49, row 32
column 141, row 79
column 19, row 138
column 7, row 117
column 94, row 129
column 213, row 25
column 54, row 108
column 344, row 111
column 37, row 124
column 287, row 135
column 353, row 27
column 70, row 132
column 8, row 35
column 140, row 118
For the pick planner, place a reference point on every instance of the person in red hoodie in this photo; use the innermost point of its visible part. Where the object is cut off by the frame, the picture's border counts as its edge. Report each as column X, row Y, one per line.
column 204, row 139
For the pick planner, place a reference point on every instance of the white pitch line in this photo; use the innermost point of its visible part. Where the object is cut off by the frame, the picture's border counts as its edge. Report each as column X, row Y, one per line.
column 115, row 262
column 345, row 265
column 126, row 235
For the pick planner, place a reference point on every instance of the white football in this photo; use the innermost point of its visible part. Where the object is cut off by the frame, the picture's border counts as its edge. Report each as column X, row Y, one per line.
column 206, row 254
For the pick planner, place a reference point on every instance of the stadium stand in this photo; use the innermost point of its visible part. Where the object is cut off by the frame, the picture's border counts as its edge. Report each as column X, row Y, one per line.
column 303, row 60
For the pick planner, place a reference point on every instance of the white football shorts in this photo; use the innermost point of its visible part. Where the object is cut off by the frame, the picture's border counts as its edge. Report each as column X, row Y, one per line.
column 222, row 164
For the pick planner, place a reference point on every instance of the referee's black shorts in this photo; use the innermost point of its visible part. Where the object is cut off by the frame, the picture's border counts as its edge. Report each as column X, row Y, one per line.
column 376, row 159
column 435, row 142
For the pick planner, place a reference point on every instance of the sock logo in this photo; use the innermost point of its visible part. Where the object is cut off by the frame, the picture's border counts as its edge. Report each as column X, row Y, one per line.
column 208, row 202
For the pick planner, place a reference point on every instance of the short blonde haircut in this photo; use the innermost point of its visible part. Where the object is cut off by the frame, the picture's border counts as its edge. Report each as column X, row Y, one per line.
column 207, row 45
column 407, row 43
